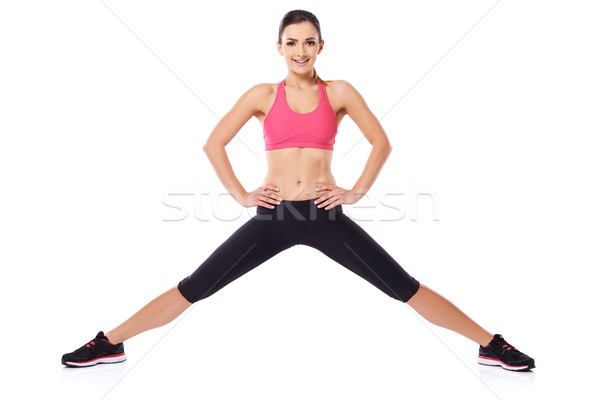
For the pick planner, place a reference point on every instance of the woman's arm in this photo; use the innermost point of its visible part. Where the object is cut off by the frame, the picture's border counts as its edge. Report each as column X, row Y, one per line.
column 356, row 107
column 223, row 133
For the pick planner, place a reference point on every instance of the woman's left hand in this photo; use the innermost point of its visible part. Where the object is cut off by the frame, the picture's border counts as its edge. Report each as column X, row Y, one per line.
column 336, row 195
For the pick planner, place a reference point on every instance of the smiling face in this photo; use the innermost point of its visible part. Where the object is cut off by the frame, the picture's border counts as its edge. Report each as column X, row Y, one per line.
column 300, row 46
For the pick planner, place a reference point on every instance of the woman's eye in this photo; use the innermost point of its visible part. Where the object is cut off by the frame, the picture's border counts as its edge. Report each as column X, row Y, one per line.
column 310, row 42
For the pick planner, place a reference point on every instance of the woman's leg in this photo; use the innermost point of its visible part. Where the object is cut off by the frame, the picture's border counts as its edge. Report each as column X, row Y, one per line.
column 439, row 311
column 160, row 311
column 250, row 245
column 351, row 246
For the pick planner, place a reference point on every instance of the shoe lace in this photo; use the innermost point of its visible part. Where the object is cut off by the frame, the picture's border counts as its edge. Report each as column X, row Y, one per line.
column 90, row 343
column 507, row 346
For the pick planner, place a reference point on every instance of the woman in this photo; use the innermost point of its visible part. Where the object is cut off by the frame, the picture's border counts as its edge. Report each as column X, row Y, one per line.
column 299, row 203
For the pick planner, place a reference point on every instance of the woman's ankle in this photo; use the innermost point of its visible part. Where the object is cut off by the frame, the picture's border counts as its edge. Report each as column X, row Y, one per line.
column 486, row 339
column 112, row 338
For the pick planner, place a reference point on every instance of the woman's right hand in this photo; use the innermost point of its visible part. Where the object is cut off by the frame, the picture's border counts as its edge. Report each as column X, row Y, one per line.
column 262, row 196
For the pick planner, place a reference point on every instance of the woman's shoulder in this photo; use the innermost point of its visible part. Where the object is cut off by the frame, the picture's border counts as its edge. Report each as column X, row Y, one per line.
column 257, row 94
column 341, row 88
column 341, row 85
column 261, row 90
column 265, row 87
column 341, row 92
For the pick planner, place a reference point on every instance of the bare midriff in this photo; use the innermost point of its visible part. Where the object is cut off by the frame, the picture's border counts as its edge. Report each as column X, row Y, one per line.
column 297, row 171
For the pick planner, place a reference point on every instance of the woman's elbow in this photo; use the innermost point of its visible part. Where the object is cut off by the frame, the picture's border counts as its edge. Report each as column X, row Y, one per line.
column 385, row 146
column 209, row 146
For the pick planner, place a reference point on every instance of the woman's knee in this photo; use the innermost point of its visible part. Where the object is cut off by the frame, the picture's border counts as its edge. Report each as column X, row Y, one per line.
column 406, row 292
column 193, row 294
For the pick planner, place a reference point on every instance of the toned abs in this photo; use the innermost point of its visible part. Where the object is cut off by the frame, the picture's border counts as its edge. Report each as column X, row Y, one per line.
column 297, row 171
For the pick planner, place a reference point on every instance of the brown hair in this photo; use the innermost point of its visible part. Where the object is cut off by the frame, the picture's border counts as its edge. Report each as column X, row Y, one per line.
column 295, row 17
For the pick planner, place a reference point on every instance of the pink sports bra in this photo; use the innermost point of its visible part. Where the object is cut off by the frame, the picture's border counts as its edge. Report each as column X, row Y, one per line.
column 283, row 127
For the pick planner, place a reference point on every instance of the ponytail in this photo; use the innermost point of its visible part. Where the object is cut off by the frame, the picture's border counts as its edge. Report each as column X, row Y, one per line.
column 318, row 79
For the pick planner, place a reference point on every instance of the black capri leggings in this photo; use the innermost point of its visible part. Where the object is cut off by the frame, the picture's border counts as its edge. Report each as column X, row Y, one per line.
column 299, row 222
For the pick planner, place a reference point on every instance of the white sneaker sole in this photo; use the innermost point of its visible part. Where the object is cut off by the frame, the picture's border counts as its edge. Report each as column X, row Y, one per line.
column 117, row 358
column 497, row 363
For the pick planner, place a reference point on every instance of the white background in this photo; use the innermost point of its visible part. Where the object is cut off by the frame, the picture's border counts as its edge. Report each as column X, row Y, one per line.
column 105, row 106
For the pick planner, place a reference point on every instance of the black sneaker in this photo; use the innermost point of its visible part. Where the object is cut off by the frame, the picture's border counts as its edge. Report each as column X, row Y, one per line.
column 96, row 351
column 500, row 353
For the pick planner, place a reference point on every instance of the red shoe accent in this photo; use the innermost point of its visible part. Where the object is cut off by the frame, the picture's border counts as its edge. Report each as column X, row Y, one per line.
column 500, row 361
